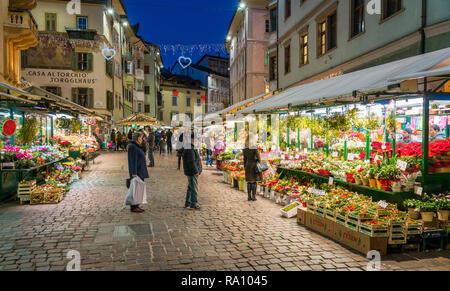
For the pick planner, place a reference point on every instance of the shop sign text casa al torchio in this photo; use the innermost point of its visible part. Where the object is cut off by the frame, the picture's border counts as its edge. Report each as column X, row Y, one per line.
column 62, row 77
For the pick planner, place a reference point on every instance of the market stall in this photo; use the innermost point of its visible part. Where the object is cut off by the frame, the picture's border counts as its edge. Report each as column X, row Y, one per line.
column 36, row 140
column 355, row 152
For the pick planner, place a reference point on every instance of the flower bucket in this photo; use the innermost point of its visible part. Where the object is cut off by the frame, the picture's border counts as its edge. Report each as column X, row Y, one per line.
column 272, row 195
column 378, row 185
column 373, row 183
column 427, row 216
column 241, row 185
column 413, row 214
column 10, row 165
column 267, row 193
column 443, row 214
column 358, row 181
column 396, row 189
column 365, row 181
column 235, row 183
column 225, row 177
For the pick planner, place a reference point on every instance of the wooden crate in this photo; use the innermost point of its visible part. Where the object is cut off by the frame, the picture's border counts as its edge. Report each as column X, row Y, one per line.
column 330, row 214
column 397, row 238
column 25, row 189
column 414, row 228
column 341, row 219
column 374, row 230
column 352, row 225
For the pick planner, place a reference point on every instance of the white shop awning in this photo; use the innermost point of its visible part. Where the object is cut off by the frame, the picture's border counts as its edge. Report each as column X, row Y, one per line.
column 370, row 80
column 432, row 73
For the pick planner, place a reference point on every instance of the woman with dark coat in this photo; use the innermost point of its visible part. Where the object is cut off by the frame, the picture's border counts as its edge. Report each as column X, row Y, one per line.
column 252, row 176
column 137, row 165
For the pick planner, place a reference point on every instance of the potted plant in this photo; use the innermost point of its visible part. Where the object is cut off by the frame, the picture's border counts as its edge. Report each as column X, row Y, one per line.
column 443, row 207
column 373, row 172
column 434, row 109
column 411, row 204
column 426, row 209
column 357, row 178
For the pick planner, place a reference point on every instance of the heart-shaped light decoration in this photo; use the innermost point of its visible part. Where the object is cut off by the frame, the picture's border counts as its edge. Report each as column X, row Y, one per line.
column 204, row 97
column 184, row 62
column 175, row 93
column 108, row 53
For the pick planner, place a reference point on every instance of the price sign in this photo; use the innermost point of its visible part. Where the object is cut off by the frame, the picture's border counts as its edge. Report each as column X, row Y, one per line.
column 335, row 154
column 383, row 204
column 297, row 156
column 402, row 165
column 316, row 191
column 331, row 181
column 419, row 191
column 283, row 157
column 306, row 151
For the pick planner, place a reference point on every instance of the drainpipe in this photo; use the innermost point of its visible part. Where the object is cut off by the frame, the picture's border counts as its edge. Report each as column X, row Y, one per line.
column 423, row 26
column 278, row 49
column 245, row 54
column 423, row 36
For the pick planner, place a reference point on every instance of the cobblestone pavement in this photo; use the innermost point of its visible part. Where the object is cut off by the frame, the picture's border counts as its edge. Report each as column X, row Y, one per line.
column 228, row 233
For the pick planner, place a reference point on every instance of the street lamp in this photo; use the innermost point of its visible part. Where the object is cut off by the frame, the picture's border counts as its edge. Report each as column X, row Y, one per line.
column 242, row 5
column 229, row 37
column 110, row 11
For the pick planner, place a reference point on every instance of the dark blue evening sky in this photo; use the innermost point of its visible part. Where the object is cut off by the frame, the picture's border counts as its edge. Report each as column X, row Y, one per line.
column 199, row 25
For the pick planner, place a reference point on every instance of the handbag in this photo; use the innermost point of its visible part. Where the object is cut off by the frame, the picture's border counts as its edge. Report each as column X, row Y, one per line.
column 128, row 183
column 261, row 167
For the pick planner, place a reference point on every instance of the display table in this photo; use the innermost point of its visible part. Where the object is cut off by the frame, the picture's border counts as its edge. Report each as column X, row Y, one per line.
column 10, row 178
column 377, row 195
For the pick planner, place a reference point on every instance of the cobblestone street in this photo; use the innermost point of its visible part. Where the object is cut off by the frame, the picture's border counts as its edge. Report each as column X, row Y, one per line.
column 228, row 233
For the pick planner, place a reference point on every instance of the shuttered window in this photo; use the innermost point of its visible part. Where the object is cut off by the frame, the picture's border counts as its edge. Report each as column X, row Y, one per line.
column 82, row 61
column 110, row 101
column 50, row 21
column 83, row 97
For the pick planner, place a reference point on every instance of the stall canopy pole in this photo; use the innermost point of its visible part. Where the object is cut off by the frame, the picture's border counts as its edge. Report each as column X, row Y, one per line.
column 288, row 137
column 298, row 138
column 394, row 138
column 13, row 137
column 425, row 137
column 367, row 145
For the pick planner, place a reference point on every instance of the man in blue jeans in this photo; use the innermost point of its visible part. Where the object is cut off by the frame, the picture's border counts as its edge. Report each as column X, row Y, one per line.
column 192, row 165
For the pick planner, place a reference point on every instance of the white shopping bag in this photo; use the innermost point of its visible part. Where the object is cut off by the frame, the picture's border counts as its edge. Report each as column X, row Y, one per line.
column 137, row 194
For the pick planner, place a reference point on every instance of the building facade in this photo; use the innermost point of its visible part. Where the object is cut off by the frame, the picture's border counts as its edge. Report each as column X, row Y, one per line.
column 313, row 40
column 182, row 99
column 71, row 59
column 247, row 42
column 213, row 72
column 18, row 32
column 152, row 87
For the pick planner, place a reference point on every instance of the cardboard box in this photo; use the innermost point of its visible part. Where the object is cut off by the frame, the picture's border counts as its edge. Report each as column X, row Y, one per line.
column 320, row 224
column 359, row 241
column 301, row 215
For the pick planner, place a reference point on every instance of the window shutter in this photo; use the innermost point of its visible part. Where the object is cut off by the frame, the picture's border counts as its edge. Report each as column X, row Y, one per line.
column 110, row 101
column 74, row 61
column 75, row 95
column 90, row 61
column 90, row 101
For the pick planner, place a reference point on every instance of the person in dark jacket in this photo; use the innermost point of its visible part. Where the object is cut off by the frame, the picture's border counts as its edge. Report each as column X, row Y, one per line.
column 151, row 145
column 179, row 148
column 137, row 162
column 192, row 165
column 169, row 141
column 251, row 158
column 112, row 137
column 130, row 134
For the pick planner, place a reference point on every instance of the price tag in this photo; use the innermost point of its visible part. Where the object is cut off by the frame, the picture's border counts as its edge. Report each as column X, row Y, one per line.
column 335, row 154
column 306, row 151
column 383, row 204
column 419, row 191
column 331, row 181
column 297, row 156
column 283, row 157
column 316, row 191
column 402, row 165
column 383, row 147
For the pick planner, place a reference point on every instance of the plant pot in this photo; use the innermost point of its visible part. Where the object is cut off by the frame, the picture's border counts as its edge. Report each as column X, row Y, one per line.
column 8, row 165
column 413, row 214
column 378, row 185
column 443, row 214
column 396, row 189
column 365, row 181
column 235, row 183
column 358, row 181
column 427, row 216
column 373, row 183
column 241, row 185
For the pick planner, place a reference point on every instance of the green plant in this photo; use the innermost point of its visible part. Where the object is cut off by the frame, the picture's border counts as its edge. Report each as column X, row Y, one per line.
column 426, row 206
column 76, row 125
column 29, row 131
column 411, row 203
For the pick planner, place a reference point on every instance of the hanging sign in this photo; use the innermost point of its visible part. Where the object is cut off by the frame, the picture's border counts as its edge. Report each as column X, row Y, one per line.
column 331, row 181
column 9, row 127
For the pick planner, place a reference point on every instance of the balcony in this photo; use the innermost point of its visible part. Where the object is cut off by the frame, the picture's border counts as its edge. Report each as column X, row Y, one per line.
column 128, row 79
column 84, row 34
column 23, row 4
column 21, row 33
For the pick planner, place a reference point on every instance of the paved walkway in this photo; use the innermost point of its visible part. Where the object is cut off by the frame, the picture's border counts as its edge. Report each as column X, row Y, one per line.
column 229, row 233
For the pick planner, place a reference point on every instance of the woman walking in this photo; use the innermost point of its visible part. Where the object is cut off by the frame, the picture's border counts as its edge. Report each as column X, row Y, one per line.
column 137, row 166
column 252, row 175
